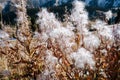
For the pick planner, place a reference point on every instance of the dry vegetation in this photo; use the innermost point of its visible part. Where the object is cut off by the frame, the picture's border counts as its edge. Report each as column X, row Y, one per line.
column 53, row 54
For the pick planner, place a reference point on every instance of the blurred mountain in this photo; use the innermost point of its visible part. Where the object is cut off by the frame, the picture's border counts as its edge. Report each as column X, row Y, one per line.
column 47, row 3
column 116, row 3
column 1, row 1
column 98, row 4
column 101, row 4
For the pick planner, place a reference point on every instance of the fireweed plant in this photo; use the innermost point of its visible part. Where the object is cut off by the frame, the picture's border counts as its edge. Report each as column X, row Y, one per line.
column 57, row 50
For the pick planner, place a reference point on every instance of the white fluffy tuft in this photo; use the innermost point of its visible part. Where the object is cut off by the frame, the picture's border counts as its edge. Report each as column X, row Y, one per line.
column 4, row 35
column 83, row 57
column 108, row 14
column 91, row 42
column 47, row 21
column 79, row 16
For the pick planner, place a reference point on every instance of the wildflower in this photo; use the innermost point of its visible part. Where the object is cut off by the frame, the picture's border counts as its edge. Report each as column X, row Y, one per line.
column 82, row 57
column 51, row 61
column 105, row 32
column 91, row 42
column 64, row 37
column 117, row 34
column 63, row 32
column 3, row 35
column 108, row 14
column 47, row 21
column 79, row 16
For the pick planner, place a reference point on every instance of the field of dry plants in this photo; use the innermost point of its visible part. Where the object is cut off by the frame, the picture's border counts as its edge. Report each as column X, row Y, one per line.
column 75, row 49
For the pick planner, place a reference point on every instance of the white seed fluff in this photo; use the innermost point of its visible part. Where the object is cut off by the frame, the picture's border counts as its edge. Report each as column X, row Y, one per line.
column 82, row 57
